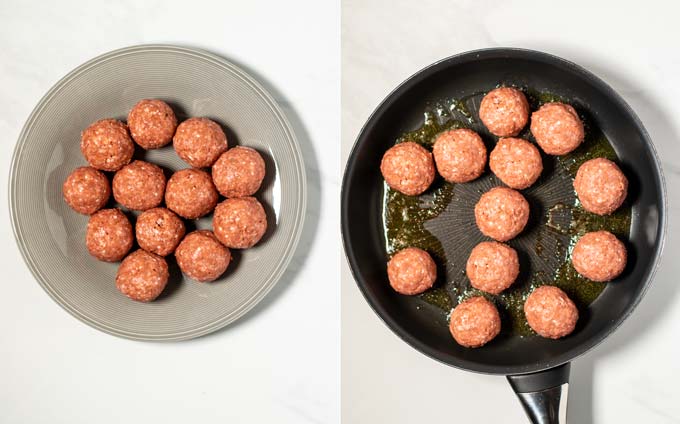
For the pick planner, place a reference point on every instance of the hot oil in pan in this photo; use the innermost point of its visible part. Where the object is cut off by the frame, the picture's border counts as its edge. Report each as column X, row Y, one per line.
column 441, row 221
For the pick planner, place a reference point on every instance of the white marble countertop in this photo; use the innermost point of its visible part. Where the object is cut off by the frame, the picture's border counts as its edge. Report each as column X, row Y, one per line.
column 633, row 376
column 279, row 363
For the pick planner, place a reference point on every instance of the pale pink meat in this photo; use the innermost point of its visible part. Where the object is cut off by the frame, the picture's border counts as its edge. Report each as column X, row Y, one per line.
column 460, row 155
column 475, row 322
column 492, row 267
column 501, row 213
column 599, row 256
column 408, row 168
column 516, row 162
column 600, row 185
column 550, row 312
column 557, row 128
column 504, row 111
column 411, row 271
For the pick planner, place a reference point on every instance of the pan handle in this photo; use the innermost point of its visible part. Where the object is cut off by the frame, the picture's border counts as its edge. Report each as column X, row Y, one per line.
column 543, row 394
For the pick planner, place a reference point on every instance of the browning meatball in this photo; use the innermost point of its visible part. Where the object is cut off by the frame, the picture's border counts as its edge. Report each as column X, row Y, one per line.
column 550, row 312
column 504, row 111
column 106, row 145
column 600, row 186
column 239, row 223
column 159, row 231
column 557, row 128
column 599, row 256
column 152, row 123
column 86, row 190
column 411, row 271
column 408, row 168
column 460, row 155
column 501, row 213
column 492, row 267
column 142, row 276
column 202, row 257
column 109, row 235
column 139, row 185
column 516, row 162
column 475, row 322
column 238, row 172
column 199, row 142
column 190, row 193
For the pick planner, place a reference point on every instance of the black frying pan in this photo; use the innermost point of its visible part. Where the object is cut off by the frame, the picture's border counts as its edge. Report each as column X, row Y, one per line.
column 536, row 368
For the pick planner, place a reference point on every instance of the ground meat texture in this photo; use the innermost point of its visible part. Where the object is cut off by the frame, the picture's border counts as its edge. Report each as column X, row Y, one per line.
column 492, row 267
column 159, row 231
column 557, row 128
column 109, row 235
column 106, row 145
column 152, row 123
column 142, row 276
column 550, row 312
column 199, row 142
column 408, row 168
column 139, row 185
column 516, row 162
column 202, row 257
column 501, row 213
column 599, row 256
column 239, row 223
column 238, row 172
column 86, row 190
column 190, row 193
column 475, row 322
column 600, row 186
column 460, row 155
column 411, row 271
column 504, row 111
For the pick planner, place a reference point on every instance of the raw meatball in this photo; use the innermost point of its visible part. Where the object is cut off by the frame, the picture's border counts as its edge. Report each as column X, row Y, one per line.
column 492, row 267
column 600, row 186
column 190, row 193
column 238, row 172
column 408, row 168
column 152, row 123
column 239, row 223
column 202, row 257
column 516, row 162
column 159, row 231
column 109, row 235
column 460, row 155
column 599, row 256
column 504, row 111
column 86, row 190
column 550, row 312
column 475, row 322
column 199, row 142
column 139, row 185
column 142, row 276
column 411, row 271
column 501, row 213
column 107, row 145
column 557, row 128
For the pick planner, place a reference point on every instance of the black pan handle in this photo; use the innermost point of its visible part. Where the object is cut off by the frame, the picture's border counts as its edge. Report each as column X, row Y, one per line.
column 543, row 394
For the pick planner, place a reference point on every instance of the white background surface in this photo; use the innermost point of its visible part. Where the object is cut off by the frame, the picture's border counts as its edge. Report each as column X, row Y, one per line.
column 633, row 376
column 278, row 364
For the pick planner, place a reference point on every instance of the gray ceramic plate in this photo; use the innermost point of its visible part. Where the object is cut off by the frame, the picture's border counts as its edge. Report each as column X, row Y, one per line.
column 51, row 236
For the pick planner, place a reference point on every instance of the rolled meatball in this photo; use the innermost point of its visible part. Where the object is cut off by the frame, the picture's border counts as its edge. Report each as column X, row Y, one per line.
column 238, row 172
column 411, row 271
column 550, row 312
column 86, row 190
column 599, row 256
column 239, row 223
column 501, row 213
column 460, row 155
column 408, row 168
column 190, row 193
column 504, row 111
column 152, row 123
column 142, row 276
column 600, row 186
column 202, row 257
column 557, row 128
column 199, row 142
column 516, row 162
column 492, row 267
column 106, row 145
column 109, row 235
column 475, row 322
column 159, row 231
column 139, row 185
